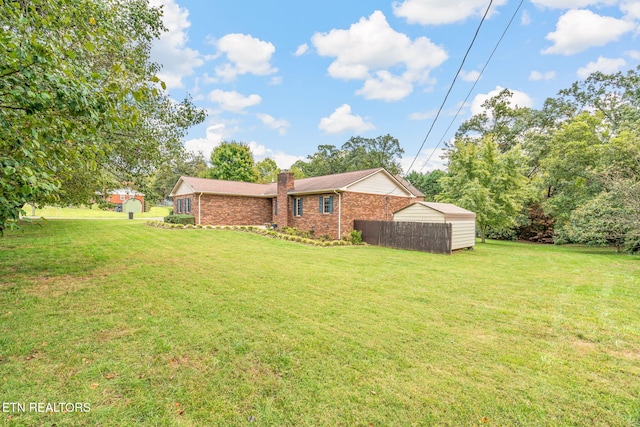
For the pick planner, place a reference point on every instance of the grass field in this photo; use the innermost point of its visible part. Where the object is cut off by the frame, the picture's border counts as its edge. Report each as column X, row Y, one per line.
column 93, row 213
column 150, row 326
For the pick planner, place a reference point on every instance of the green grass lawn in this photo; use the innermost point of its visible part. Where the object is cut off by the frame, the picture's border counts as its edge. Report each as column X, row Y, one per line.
column 93, row 213
column 221, row 328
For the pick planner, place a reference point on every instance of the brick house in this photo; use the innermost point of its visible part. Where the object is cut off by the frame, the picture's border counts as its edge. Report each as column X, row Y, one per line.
column 325, row 204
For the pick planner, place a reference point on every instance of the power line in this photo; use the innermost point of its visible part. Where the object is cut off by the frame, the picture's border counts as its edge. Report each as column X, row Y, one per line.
column 452, row 83
column 474, row 84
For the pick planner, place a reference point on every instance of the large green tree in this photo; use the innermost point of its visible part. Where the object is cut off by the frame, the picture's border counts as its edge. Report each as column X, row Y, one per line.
column 81, row 108
column 267, row 171
column 485, row 181
column 610, row 218
column 506, row 123
column 356, row 154
column 428, row 183
column 233, row 161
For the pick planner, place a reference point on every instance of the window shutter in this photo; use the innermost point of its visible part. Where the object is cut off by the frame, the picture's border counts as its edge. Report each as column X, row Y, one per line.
column 330, row 204
column 300, row 210
column 321, row 204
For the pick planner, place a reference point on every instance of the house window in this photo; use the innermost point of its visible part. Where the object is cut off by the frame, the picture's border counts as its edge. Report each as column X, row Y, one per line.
column 187, row 208
column 297, row 206
column 325, row 204
column 179, row 205
column 275, row 206
column 122, row 197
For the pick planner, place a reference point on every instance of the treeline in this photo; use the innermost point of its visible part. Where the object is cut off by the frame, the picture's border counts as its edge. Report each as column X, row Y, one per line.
column 567, row 173
column 233, row 161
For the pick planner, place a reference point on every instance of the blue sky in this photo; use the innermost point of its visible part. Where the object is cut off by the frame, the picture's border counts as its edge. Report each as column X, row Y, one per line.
column 286, row 76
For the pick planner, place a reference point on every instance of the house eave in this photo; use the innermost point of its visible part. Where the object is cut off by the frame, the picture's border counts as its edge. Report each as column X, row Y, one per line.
column 220, row 193
column 311, row 192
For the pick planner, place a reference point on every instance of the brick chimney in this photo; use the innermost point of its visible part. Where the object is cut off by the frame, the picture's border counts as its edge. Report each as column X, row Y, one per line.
column 286, row 181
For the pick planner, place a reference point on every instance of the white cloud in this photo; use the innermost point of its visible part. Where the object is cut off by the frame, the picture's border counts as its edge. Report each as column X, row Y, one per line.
column 633, row 54
column 428, row 160
column 282, row 159
column 437, row 12
column 572, row 4
column 234, row 101
column 275, row 81
column 369, row 48
column 538, row 75
column 518, row 99
column 525, row 19
column 169, row 50
column 631, row 9
column 386, row 87
column 469, row 76
column 603, row 65
column 581, row 29
column 213, row 137
column 423, row 116
column 302, row 49
column 451, row 112
column 341, row 120
column 280, row 125
column 246, row 55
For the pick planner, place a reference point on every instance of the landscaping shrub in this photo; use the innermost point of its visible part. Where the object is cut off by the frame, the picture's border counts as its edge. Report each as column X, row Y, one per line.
column 355, row 237
column 180, row 219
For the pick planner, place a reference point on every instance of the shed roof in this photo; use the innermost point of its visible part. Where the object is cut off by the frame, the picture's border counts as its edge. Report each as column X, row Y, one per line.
column 449, row 210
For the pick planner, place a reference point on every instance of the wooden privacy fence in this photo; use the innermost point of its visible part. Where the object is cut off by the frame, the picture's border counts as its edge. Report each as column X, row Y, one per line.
column 415, row 236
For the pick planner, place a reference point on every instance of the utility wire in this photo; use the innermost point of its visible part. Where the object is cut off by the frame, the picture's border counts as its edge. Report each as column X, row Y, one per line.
column 474, row 85
column 451, row 86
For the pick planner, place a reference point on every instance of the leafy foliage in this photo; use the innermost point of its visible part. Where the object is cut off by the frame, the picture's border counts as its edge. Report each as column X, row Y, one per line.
column 80, row 106
column 165, row 177
column 180, row 219
column 233, row 161
column 575, row 152
column 356, row 154
column 610, row 218
column 429, row 183
column 267, row 171
column 487, row 182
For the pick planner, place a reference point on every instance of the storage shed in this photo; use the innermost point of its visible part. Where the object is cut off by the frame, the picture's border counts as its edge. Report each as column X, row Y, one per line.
column 463, row 222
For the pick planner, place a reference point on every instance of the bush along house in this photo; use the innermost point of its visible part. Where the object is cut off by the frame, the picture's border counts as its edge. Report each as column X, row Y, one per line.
column 325, row 204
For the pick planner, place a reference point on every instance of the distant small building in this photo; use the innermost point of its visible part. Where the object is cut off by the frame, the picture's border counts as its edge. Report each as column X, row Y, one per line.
column 463, row 222
column 126, row 200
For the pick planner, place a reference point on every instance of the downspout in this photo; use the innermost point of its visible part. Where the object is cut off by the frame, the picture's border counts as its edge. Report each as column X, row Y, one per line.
column 339, row 213
column 199, row 211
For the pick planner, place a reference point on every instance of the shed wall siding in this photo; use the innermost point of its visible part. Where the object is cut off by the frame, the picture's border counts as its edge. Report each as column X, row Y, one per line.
column 418, row 213
column 463, row 234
